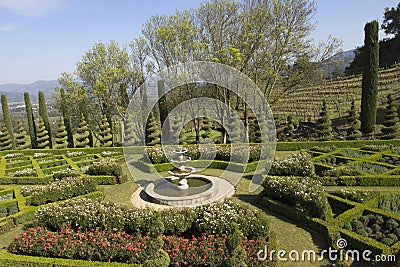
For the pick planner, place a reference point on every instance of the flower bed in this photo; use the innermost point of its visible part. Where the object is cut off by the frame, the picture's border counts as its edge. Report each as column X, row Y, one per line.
column 58, row 190
column 108, row 166
column 355, row 195
column 306, row 194
column 27, row 172
column 298, row 164
column 390, row 202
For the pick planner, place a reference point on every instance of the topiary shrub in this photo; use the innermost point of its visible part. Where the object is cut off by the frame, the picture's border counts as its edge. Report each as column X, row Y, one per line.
column 391, row 224
column 298, row 164
column 160, row 259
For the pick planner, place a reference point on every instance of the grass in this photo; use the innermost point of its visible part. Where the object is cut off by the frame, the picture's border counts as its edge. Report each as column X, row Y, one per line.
column 7, row 237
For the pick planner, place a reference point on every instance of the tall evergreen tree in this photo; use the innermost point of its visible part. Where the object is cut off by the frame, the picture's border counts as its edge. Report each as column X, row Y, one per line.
column 21, row 138
column 82, row 139
column 370, row 78
column 105, row 133
column 31, row 120
column 391, row 127
column 153, row 130
column 323, row 126
column 207, row 128
column 42, row 135
column 354, row 131
column 61, row 135
column 67, row 119
column 5, row 139
column 7, row 118
column 45, row 115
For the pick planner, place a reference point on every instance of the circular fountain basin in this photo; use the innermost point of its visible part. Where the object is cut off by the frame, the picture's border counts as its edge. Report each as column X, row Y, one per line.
column 165, row 191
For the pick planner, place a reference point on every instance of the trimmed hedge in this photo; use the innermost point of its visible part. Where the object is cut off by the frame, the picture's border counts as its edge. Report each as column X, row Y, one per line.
column 293, row 146
column 11, row 260
column 373, row 180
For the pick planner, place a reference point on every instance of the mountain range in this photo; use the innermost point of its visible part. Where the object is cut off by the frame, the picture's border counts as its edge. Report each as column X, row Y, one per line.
column 15, row 92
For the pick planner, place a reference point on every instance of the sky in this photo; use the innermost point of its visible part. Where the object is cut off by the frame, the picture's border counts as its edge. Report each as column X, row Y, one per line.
column 40, row 39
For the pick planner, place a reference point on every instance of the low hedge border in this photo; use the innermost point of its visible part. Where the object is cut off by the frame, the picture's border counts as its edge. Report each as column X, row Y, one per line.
column 26, row 180
column 11, row 260
column 293, row 146
column 370, row 180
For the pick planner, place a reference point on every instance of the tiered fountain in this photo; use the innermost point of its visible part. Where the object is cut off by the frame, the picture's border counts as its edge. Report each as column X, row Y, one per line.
column 184, row 188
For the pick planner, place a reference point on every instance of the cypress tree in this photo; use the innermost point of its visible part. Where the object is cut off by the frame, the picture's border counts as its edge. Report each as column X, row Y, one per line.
column 82, row 139
column 391, row 127
column 22, row 139
column 153, row 130
column 5, row 139
column 354, row 132
column 42, row 135
column 7, row 118
column 105, row 133
column 31, row 120
column 323, row 127
column 207, row 127
column 67, row 119
column 61, row 135
column 370, row 77
column 45, row 116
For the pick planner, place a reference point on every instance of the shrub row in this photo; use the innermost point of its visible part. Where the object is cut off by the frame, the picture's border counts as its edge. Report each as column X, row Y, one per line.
column 212, row 219
column 59, row 190
column 372, row 180
column 294, row 146
column 298, row 164
column 307, row 194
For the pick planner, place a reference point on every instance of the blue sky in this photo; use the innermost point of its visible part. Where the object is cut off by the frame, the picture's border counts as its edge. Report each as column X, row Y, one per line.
column 39, row 39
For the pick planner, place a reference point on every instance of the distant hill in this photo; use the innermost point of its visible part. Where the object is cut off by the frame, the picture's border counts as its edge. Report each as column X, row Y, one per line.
column 339, row 61
column 15, row 92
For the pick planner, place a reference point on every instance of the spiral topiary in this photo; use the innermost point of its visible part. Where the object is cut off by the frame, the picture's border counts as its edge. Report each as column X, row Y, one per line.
column 22, row 139
column 5, row 139
column 42, row 136
column 81, row 138
column 105, row 133
column 61, row 135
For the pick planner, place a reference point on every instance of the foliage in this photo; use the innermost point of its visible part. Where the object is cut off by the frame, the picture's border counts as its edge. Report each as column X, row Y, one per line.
column 72, row 154
column 298, row 164
column 5, row 139
column 58, row 190
column 45, row 116
column 42, row 155
column 390, row 202
column 58, row 175
column 370, row 78
column 31, row 120
column 61, row 135
column 306, row 194
column 356, row 195
column 391, row 20
column 153, row 130
column 7, row 118
column 82, row 139
column 342, row 171
column 376, row 148
column 323, row 126
column 21, row 137
column 43, row 139
column 391, row 127
column 288, row 131
column 105, row 133
column 324, row 149
column 27, row 172
column 354, row 131
column 351, row 153
column 108, row 166
column 369, row 167
column 66, row 118
column 13, row 155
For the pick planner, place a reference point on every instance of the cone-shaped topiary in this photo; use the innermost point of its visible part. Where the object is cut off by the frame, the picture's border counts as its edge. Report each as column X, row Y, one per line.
column 61, row 135
column 42, row 135
column 289, row 129
column 67, row 119
column 354, row 131
column 81, row 138
column 153, row 130
column 207, row 127
column 105, row 133
column 5, row 139
column 130, row 137
column 391, row 127
column 21, row 138
column 323, row 127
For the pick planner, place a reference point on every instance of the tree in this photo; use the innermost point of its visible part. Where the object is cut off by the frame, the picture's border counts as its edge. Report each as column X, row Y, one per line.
column 370, row 78
column 391, row 20
column 22, row 139
column 42, row 136
column 61, row 135
column 153, row 130
column 67, row 119
column 354, row 131
column 7, row 118
column 391, row 127
column 289, row 129
column 31, row 120
column 5, row 138
column 323, row 126
column 81, row 138
column 45, row 116
column 105, row 133
column 234, row 130
column 206, row 127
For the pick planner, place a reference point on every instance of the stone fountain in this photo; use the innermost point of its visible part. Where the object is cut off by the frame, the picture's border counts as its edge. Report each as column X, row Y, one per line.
column 182, row 171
